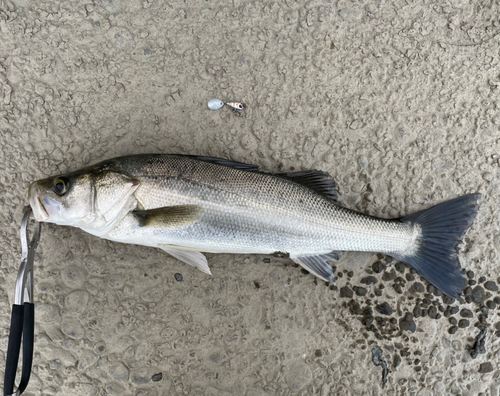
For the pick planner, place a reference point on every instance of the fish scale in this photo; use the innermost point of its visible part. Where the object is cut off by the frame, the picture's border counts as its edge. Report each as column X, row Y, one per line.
column 251, row 212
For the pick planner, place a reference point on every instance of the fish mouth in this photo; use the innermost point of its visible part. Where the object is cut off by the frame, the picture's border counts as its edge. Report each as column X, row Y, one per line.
column 36, row 201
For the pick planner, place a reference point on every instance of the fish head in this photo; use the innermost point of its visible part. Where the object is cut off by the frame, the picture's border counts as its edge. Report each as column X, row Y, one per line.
column 91, row 198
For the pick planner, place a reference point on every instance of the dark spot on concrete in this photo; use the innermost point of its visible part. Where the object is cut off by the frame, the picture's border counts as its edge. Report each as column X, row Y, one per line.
column 266, row 260
column 178, row 277
column 304, row 271
column 318, row 353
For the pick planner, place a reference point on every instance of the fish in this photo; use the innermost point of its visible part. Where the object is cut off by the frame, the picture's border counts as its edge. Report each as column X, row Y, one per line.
column 189, row 205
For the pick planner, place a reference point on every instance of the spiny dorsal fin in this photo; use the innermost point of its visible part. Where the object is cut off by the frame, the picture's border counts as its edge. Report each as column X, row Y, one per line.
column 169, row 216
column 224, row 162
column 316, row 180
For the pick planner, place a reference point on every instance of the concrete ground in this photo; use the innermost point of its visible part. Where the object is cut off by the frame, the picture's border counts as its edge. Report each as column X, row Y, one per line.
column 398, row 101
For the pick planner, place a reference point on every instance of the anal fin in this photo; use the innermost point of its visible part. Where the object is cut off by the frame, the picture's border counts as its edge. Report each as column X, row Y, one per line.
column 318, row 266
column 191, row 257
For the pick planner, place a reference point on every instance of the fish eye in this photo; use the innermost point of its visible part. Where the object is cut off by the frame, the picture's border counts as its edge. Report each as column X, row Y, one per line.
column 61, row 185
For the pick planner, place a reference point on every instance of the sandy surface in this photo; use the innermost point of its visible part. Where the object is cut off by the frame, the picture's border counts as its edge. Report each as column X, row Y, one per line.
column 399, row 102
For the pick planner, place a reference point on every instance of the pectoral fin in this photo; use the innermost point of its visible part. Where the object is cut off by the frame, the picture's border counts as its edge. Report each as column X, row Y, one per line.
column 318, row 266
column 194, row 258
column 169, row 216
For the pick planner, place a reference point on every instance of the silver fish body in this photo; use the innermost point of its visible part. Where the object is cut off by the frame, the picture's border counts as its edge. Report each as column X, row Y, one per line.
column 186, row 205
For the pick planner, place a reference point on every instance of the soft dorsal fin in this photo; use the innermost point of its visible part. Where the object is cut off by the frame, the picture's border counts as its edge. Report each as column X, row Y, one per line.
column 316, row 180
column 224, row 162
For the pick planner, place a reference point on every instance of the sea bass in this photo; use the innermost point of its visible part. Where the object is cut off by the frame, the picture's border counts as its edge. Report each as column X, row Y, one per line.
column 186, row 205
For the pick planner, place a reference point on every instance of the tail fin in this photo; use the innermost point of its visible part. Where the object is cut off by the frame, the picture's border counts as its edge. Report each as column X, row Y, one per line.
column 443, row 227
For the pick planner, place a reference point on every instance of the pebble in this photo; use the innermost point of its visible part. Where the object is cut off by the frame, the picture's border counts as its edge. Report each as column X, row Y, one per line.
column 463, row 323
column 389, row 275
column 396, row 361
column 490, row 285
column 384, row 309
column 157, row 377
column 369, row 280
column 397, row 288
column 452, row 321
column 485, row 368
column 470, row 274
column 361, row 291
column 178, row 277
column 417, row 287
column 400, row 267
column 452, row 329
column 346, row 292
column 433, row 312
column 466, row 313
column 407, row 324
column 378, row 267
column 477, row 294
